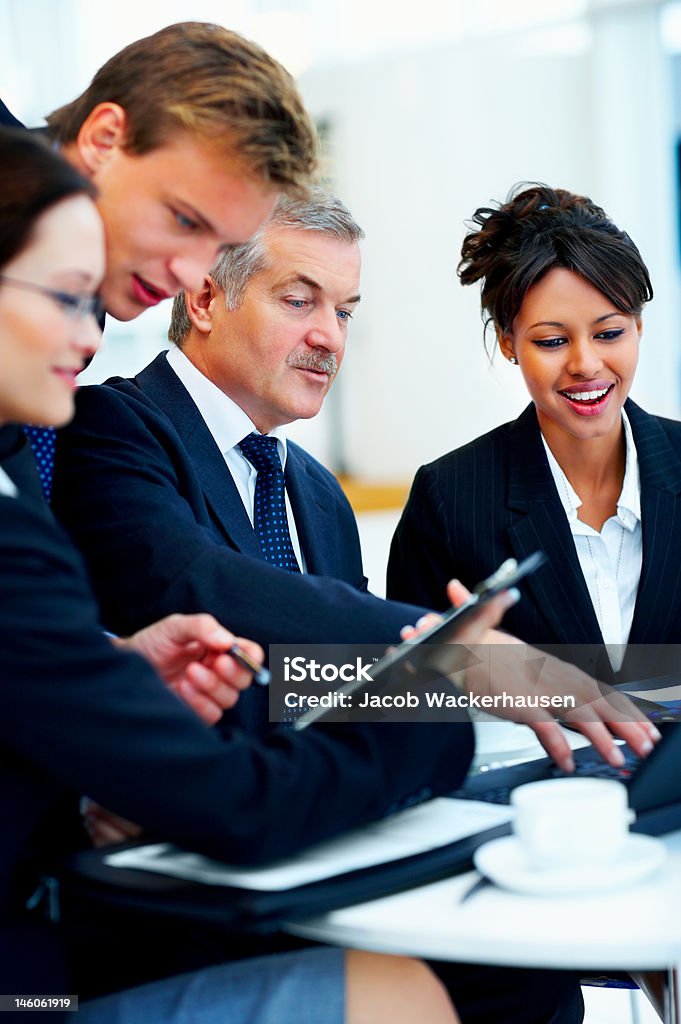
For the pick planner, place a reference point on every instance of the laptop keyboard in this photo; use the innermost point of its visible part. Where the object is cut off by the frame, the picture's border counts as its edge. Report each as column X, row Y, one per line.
column 495, row 785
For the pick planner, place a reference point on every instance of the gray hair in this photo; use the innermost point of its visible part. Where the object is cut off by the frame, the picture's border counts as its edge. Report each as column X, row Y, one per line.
column 317, row 210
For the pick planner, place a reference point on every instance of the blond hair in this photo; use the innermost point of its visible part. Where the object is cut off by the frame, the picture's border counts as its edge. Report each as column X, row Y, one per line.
column 204, row 79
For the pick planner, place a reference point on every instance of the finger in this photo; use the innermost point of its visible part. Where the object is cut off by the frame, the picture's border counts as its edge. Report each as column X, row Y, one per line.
column 201, row 627
column 193, row 648
column 613, row 713
column 251, row 648
column 637, row 735
column 457, row 593
column 600, row 736
column 229, row 671
column 411, row 632
column 653, row 732
column 105, row 835
column 204, row 707
column 103, row 827
column 486, row 616
column 552, row 739
column 425, row 623
column 210, row 685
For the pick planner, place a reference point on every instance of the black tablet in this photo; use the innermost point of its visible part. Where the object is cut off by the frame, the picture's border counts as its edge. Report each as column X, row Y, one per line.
column 443, row 632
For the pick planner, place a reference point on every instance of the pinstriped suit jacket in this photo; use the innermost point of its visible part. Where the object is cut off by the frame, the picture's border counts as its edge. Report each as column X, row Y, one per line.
column 495, row 498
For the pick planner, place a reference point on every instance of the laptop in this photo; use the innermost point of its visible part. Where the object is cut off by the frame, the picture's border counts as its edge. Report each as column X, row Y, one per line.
column 654, row 782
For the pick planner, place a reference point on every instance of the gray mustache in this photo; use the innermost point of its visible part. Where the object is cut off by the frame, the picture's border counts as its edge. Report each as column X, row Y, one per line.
column 322, row 363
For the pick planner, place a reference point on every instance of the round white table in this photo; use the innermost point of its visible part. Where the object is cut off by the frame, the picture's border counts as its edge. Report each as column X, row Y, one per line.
column 635, row 928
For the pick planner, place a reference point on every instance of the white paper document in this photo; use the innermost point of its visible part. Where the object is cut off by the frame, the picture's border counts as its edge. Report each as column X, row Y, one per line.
column 409, row 832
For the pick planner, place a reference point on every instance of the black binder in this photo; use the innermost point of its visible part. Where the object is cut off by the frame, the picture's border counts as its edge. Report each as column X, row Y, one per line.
column 231, row 909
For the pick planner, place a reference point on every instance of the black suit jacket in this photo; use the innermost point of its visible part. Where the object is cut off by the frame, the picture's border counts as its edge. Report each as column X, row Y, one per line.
column 7, row 118
column 80, row 716
column 326, row 525
column 144, row 491
column 495, row 499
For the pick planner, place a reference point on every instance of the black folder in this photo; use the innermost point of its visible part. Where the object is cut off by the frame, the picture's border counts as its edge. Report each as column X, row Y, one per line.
column 231, row 909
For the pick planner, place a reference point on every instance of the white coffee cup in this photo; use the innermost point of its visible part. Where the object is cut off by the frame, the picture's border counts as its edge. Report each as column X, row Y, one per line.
column 571, row 822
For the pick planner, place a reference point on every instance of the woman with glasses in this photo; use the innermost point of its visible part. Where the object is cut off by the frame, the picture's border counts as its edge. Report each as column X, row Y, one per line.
column 82, row 715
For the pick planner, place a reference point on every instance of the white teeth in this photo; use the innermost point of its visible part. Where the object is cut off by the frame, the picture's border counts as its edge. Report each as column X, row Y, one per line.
column 585, row 396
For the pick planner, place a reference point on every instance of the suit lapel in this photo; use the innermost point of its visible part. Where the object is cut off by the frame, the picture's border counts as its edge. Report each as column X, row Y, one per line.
column 314, row 513
column 658, row 604
column 559, row 588
column 164, row 387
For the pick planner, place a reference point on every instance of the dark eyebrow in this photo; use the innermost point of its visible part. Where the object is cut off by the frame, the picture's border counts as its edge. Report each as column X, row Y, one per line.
column 557, row 323
column 608, row 315
column 188, row 210
column 315, row 285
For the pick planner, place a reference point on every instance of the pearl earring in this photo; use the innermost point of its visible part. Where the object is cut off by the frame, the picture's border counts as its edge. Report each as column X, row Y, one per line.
column 513, row 360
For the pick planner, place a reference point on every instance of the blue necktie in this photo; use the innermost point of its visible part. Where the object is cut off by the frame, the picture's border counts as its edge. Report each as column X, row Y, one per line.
column 269, row 511
column 43, row 442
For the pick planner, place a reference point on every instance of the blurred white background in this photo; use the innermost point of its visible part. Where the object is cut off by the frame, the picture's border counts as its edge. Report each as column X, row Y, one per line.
column 430, row 110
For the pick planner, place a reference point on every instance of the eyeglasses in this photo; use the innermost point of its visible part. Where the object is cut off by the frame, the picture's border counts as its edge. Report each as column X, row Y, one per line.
column 76, row 307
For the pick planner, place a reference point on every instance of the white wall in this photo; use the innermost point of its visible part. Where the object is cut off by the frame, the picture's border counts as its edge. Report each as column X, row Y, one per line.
column 420, row 141
column 422, row 137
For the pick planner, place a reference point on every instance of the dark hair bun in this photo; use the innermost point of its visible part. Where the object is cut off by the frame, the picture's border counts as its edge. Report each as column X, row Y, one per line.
column 513, row 246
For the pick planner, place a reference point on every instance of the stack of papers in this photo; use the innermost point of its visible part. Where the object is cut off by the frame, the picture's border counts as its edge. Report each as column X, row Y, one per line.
column 426, row 827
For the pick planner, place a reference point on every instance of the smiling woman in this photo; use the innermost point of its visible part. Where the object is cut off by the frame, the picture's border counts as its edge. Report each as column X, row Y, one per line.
column 583, row 473
column 73, row 702
column 50, row 268
column 578, row 353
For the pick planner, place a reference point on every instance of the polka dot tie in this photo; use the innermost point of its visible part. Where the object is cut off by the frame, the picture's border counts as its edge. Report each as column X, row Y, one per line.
column 269, row 511
column 43, row 442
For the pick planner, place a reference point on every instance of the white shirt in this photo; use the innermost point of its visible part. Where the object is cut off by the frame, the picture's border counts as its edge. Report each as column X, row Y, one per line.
column 229, row 424
column 7, row 485
column 610, row 560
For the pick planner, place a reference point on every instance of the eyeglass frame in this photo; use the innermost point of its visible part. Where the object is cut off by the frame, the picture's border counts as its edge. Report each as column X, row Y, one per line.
column 75, row 307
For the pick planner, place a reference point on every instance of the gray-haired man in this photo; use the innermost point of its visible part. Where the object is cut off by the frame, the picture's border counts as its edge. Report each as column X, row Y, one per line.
column 153, row 481
column 178, row 452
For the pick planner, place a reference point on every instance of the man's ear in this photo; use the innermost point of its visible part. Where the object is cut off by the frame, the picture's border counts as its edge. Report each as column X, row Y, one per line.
column 201, row 304
column 101, row 135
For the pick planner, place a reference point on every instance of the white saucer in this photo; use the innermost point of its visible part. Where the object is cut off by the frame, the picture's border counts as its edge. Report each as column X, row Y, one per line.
column 504, row 862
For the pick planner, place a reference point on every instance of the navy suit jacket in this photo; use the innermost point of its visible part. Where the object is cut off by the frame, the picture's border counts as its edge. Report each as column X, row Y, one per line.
column 325, row 522
column 495, row 498
column 7, row 118
column 81, row 716
column 144, row 491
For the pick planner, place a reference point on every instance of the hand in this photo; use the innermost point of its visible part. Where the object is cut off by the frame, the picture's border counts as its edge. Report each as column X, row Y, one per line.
column 477, row 629
column 188, row 652
column 104, row 827
column 511, row 667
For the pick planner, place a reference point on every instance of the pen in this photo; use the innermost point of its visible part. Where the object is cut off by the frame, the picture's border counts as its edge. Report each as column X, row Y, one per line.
column 480, row 883
column 261, row 674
